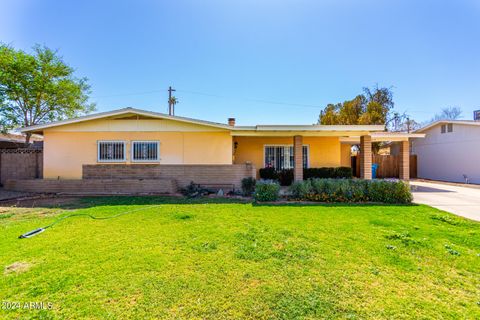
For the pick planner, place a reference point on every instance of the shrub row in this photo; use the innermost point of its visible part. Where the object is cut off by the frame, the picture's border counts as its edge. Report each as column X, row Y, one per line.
column 285, row 176
column 352, row 190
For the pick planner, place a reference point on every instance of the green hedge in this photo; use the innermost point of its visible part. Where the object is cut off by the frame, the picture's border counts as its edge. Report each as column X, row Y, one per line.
column 285, row 176
column 352, row 190
column 327, row 172
column 266, row 190
column 268, row 173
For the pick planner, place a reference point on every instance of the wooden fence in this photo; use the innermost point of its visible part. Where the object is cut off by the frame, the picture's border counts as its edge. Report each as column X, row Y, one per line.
column 388, row 166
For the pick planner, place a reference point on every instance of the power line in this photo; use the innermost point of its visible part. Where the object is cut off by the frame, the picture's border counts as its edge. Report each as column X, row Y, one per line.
column 214, row 96
column 252, row 99
column 128, row 94
column 264, row 101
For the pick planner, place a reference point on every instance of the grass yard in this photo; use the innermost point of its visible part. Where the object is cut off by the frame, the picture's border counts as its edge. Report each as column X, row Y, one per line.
column 191, row 259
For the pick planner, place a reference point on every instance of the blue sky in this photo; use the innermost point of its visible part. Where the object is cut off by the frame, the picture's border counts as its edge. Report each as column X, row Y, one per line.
column 226, row 58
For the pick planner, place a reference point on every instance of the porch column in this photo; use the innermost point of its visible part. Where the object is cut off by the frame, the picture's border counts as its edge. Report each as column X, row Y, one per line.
column 366, row 157
column 298, row 153
column 404, row 163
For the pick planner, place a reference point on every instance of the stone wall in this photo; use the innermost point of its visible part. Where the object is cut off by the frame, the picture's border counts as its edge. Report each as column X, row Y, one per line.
column 94, row 186
column 183, row 174
column 20, row 164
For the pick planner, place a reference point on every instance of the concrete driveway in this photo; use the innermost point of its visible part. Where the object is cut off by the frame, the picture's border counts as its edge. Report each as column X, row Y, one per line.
column 459, row 200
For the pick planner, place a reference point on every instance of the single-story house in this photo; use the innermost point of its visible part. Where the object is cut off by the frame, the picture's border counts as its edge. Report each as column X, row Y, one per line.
column 449, row 152
column 137, row 144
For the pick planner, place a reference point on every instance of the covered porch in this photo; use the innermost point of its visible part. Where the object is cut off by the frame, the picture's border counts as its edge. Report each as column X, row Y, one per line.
column 366, row 155
column 297, row 150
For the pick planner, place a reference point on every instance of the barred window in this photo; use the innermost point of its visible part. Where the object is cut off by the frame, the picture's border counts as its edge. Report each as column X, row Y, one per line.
column 283, row 157
column 111, row 151
column 145, row 150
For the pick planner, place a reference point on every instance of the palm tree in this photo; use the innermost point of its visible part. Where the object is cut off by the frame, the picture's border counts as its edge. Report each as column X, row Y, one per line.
column 172, row 101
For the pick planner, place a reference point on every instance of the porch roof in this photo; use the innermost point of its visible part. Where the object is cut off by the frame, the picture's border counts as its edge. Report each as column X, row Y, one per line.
column 383, row 136
column 306, row 130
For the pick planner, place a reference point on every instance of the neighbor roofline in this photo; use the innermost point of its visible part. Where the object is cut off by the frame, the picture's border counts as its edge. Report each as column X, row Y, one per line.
column 433, row 124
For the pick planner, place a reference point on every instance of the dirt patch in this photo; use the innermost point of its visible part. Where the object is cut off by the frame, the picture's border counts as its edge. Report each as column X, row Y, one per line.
column 9, row 195
column 42, row 201
column 17, row 267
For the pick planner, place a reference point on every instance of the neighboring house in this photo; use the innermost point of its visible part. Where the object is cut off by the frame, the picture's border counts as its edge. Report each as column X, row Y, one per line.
column 449, row 152
column 133, row 143
column 16, row 141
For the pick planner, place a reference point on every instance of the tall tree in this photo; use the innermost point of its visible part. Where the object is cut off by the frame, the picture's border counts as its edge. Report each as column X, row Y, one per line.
column 374, row 106
column 39, row 87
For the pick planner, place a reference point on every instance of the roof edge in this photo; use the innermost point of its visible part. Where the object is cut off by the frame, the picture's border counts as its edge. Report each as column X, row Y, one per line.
column 101, row 115
column 258, row 128
column 433, row 124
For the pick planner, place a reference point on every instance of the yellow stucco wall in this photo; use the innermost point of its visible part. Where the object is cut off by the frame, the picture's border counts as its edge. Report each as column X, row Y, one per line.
column 67, row 148
column 346, row 155
column 324, row 151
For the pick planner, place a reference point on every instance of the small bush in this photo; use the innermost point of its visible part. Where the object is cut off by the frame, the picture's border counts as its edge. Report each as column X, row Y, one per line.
column 248, row 186
column 388, row 191
column 352, row 190
column 266, row 190
column 285, row 177
column 194, row 190
column 268, row 173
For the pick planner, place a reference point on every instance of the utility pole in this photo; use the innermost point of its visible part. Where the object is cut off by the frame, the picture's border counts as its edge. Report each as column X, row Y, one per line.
column 171, row 110
column 408, row 124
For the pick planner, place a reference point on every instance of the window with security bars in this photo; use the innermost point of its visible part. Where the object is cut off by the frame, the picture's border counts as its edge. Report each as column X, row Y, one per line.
column 111, row 151
column 145, row 150
column 283, row 157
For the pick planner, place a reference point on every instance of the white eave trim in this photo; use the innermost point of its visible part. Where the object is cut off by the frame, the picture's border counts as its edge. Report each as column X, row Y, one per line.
column 118, row 112
column 314, row 128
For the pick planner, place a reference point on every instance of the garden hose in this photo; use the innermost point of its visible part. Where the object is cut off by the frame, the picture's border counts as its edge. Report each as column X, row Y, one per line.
column 40, row 230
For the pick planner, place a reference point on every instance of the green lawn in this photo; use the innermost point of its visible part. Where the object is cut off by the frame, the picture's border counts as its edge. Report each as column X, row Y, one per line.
column 192, row 259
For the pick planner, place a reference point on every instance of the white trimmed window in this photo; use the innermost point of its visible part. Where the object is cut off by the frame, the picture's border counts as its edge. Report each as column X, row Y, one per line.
column 111, row 151
column 145, row 151
column 445, row 128
column 283, row 157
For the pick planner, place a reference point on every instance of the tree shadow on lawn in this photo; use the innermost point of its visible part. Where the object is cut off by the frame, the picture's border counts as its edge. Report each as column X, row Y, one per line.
column 331, row 204
column 85, row 202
